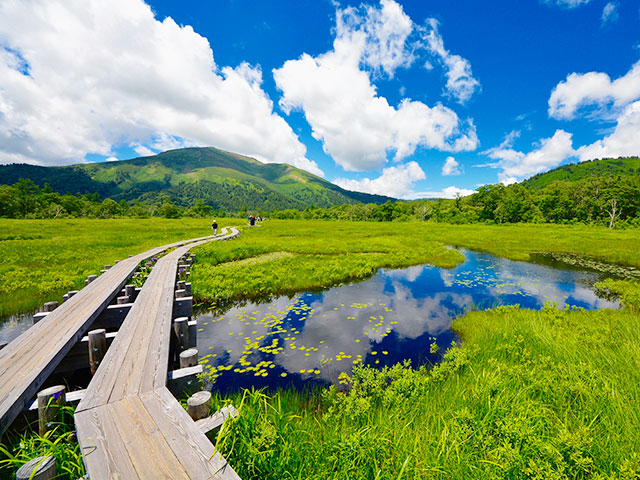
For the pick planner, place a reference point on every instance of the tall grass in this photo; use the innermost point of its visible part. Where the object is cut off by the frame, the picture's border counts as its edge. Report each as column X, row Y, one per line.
column 43, row 259
column 58, row 442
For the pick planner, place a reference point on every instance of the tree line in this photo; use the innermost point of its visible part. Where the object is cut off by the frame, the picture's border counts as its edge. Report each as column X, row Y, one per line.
column 610, row 200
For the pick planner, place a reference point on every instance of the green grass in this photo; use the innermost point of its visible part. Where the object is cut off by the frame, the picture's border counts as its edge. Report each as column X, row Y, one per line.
column 43, row 259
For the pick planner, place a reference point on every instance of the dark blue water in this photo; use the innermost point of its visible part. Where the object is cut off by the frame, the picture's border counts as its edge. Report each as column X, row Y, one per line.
column 397, row 315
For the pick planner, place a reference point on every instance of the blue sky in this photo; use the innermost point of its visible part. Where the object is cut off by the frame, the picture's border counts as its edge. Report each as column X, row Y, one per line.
column 408, row 98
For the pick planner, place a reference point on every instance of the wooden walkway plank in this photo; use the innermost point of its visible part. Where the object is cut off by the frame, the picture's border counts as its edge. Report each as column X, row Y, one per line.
column 94, row 429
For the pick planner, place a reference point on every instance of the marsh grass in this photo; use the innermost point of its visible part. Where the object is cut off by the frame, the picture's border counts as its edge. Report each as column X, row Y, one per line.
column 43, row 259
column 546, row 395
column 58, row 442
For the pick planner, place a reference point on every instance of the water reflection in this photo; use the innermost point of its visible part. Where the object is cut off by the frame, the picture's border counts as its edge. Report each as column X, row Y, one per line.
column 394, row 316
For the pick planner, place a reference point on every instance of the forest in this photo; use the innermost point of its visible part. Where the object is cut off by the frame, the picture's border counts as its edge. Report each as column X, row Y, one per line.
column 610, row 199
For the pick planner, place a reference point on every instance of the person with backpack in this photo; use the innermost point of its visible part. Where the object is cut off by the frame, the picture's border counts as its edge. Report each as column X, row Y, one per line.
column 214, row 227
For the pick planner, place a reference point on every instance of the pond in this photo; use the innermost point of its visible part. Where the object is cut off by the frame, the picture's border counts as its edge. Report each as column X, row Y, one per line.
column 397, row 315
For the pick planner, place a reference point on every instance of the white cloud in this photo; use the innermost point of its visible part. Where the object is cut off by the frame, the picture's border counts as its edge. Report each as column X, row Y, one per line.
column 394, row 182
column 80, row 76
column 610, row 13
column 549, row 153
column 451, row 167
column 382, row 33
column 594, row 88
column 143, row 151
column 449, row 192
column 624, row 141
column 358, row 127
column 460, row 82
column 567, row 3
column 112, row 159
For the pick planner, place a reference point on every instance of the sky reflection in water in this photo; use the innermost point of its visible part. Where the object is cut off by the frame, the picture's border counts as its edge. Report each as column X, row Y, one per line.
column 394, row 316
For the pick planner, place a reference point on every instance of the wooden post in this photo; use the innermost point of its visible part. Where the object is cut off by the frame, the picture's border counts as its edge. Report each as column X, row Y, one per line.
column 130, row 291
column 187, row 287
column 91, row 278
column 65, row 297
column 50, row 306
column 49, row 402
column 181, row 293
column 199, row 404
column 124, row 299
column 72, row 293
column 189, row 358
column 107, row 267
column 39, row 468
column 97, row 348
column 181, row 285
column 181, row 327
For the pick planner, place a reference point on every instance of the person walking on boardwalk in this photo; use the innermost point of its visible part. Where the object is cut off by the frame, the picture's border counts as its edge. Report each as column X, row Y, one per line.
column 214, row 227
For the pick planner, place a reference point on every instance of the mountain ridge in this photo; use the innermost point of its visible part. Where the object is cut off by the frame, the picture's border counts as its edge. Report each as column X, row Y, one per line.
column 223, row 180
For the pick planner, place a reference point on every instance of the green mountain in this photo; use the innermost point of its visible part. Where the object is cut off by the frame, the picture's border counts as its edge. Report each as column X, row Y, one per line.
column 580, row 171
column 221, row 179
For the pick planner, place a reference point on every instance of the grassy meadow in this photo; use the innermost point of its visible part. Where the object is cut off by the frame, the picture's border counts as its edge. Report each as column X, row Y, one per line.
column 43, row 259
column 551, row 394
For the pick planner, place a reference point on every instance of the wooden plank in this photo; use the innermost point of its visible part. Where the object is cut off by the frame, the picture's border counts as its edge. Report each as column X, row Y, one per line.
column 103, row 458
column 147, row 448
column 191, row 446
column 214, row 421
column 74, row 396
column 184, row 372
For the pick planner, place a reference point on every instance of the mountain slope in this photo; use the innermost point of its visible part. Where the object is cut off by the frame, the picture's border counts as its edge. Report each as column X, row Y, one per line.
column 218, row 178
column 579, row 171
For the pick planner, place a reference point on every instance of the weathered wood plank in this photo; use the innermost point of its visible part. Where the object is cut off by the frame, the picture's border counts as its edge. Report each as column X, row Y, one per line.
column 214, row 421
column 190, row 445
column 103, row 458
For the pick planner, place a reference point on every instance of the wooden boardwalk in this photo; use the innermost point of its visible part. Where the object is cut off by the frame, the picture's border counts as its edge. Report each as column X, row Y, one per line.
column 28, row 360
column 129, row 425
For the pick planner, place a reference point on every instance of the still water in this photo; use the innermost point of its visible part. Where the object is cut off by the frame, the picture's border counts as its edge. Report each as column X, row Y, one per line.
column 396, row 315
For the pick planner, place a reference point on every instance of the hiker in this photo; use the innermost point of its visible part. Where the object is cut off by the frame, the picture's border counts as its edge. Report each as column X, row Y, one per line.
column 214, row 227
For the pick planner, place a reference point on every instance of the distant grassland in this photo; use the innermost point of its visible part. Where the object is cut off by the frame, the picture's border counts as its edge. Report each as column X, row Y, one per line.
column 42, row 259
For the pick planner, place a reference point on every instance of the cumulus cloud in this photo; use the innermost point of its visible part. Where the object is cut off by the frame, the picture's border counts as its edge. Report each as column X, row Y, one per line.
column 594, row 88
column 451, row 167
column 610, row 13
column 83, row 76
column 394, row 182
column 449, row 192
column 549, row 153
column 624, row 141
column 358, row 127
column 460, row 82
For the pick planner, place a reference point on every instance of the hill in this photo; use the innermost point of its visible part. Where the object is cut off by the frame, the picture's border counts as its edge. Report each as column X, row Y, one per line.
column 220, row 179
column 580, row 171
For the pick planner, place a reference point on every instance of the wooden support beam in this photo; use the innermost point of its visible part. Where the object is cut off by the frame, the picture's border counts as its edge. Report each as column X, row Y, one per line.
column 198, row 405
column 39, row 468
column 214, row 421
column 189, row 358
column 49, row 402
column 97, row 348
